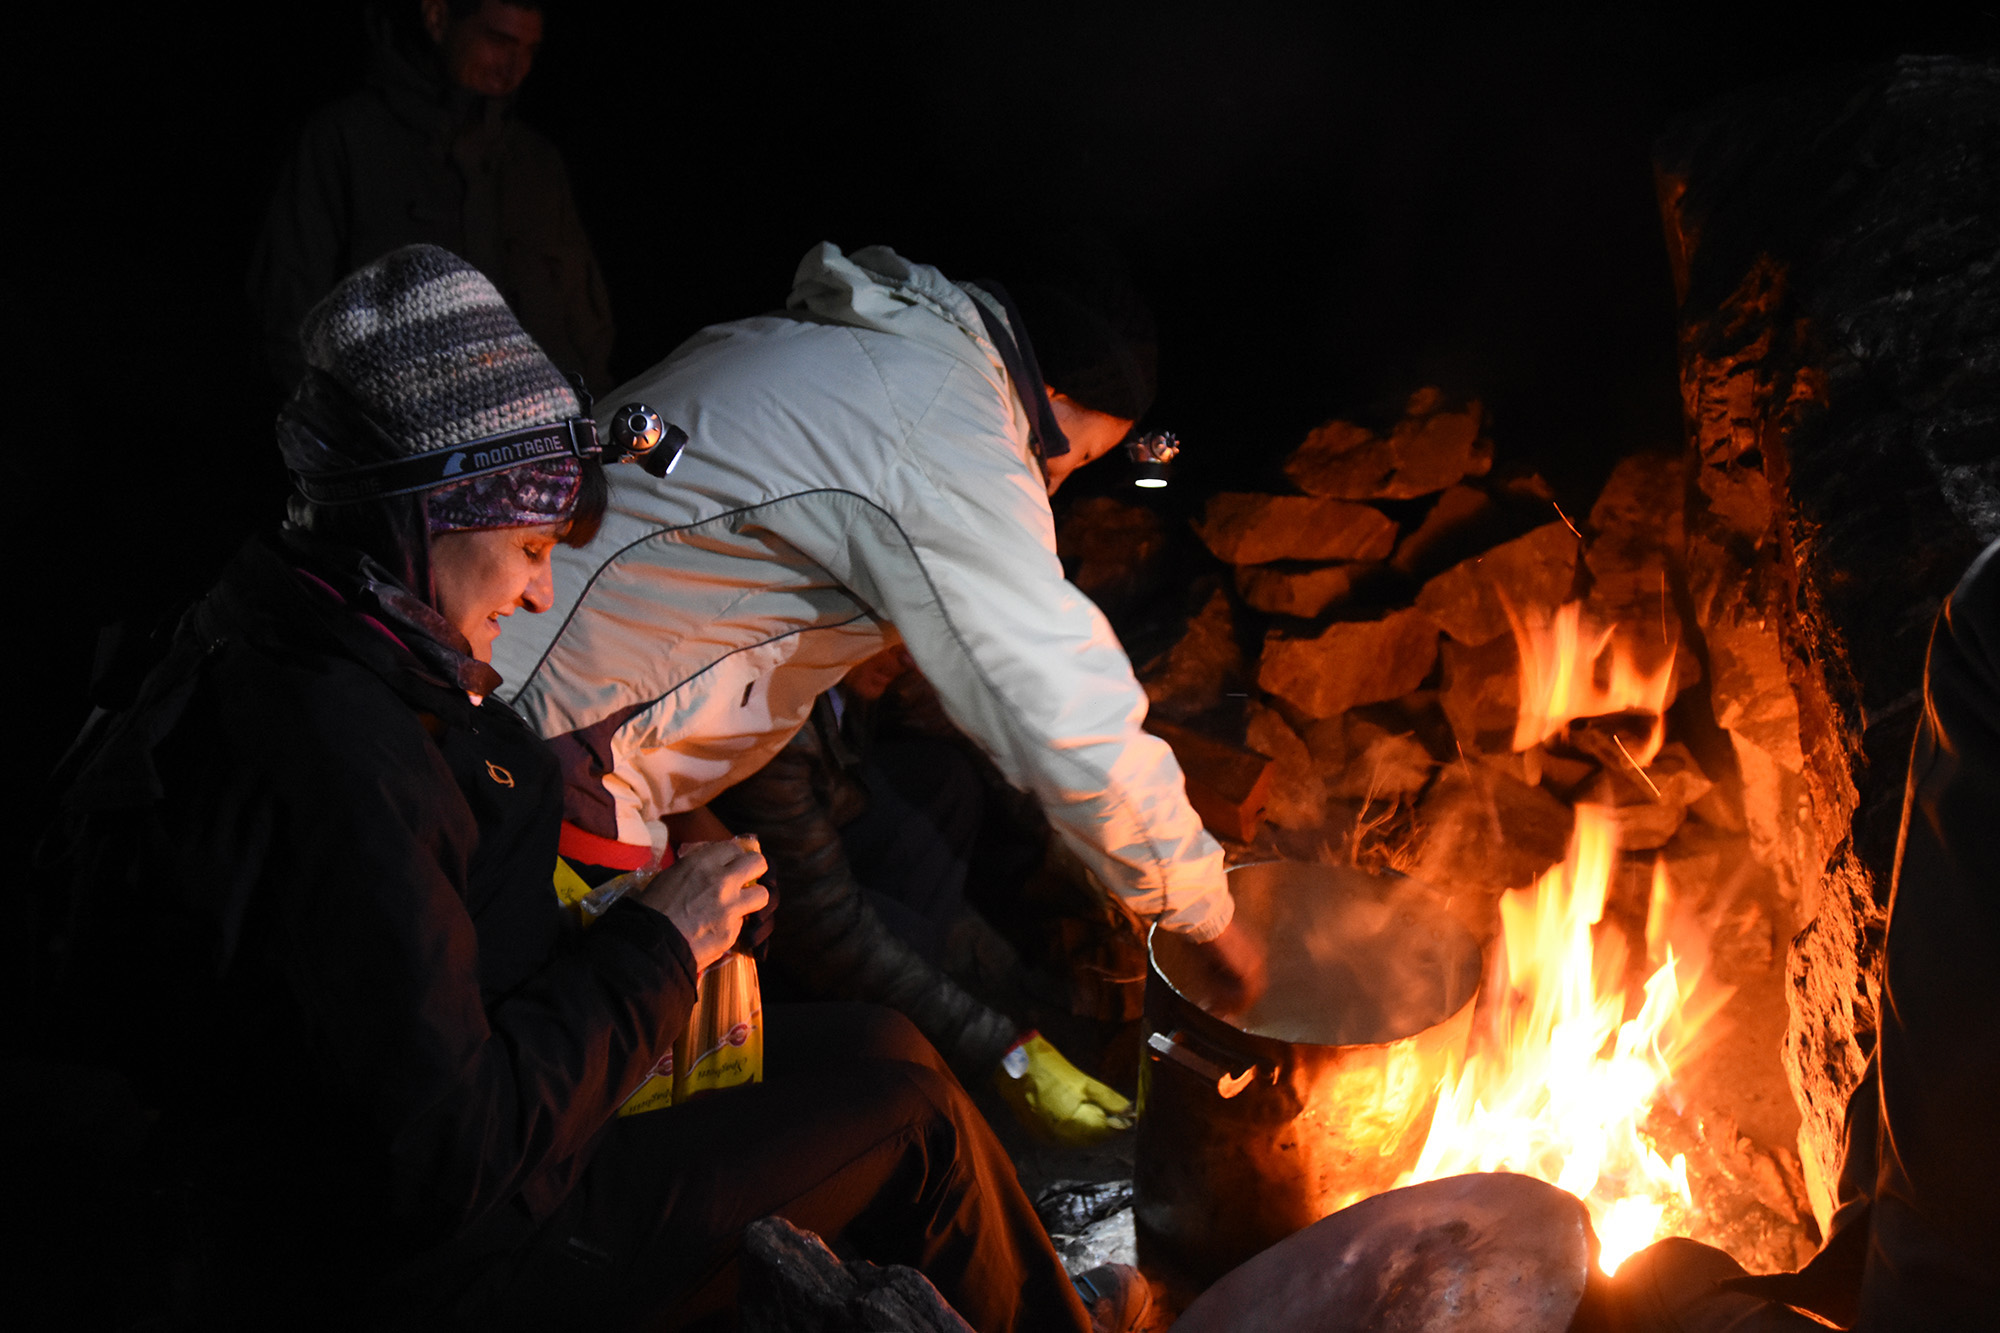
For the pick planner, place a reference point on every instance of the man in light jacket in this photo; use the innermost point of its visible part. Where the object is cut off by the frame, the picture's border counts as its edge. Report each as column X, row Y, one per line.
column 874, row 462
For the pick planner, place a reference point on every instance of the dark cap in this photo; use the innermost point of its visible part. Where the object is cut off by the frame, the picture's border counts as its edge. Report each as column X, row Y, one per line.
column 1097, row 344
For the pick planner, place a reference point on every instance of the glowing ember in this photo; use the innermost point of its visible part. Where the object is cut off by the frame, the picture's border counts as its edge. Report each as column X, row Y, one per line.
column 1559, row 1081
column 1572, row 669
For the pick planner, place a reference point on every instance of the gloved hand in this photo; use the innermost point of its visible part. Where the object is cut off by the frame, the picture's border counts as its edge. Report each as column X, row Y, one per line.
column 1056, row 1100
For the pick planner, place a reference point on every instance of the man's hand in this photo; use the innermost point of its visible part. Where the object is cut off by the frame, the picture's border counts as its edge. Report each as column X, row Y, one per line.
column 1235, row 967
column 1055, row 1100
column 708, row 892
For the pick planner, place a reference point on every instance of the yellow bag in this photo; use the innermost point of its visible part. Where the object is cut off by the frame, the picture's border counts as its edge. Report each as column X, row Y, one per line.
column 723, row 1043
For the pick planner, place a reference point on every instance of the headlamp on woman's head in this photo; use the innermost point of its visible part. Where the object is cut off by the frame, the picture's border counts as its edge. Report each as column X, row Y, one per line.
column 1152, row 456
column 637, row 434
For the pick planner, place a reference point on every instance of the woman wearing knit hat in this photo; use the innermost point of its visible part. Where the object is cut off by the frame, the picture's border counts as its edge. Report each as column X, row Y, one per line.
column 311, row 917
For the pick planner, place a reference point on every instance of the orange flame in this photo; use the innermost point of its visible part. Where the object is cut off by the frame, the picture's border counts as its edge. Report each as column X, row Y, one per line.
column 1560, row 1081
column 1560, row 659
column 1563, row 1081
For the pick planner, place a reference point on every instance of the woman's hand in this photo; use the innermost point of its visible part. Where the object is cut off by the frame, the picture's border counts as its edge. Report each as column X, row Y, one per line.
column 707, row 893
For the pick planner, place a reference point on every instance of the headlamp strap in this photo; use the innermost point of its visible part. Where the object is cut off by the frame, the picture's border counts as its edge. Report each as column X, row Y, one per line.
column 575, row 438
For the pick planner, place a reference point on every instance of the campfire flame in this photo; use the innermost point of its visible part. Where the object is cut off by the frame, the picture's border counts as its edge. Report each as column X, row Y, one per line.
column 1563, row 657
column 1559, row 1081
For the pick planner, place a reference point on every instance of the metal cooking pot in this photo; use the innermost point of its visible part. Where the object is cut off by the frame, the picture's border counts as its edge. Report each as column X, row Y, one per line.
column 1322, row 1094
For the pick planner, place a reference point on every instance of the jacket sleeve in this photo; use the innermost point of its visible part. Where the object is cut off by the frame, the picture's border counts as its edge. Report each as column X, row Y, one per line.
column 829, row 938
column 1027, row 665
column 477, row 1099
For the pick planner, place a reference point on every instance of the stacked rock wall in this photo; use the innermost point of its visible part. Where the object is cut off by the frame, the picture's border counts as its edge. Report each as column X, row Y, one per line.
column 1392, row 715
column 1836, row 245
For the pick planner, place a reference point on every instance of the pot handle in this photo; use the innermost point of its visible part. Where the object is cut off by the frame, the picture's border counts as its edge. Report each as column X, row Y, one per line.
column 1174, row 1045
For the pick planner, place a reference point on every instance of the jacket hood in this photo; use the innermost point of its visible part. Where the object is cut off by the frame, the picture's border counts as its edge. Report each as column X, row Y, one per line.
column 876, row 288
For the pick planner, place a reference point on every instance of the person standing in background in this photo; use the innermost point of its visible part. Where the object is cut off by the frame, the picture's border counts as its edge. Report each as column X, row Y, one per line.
column 430, row 150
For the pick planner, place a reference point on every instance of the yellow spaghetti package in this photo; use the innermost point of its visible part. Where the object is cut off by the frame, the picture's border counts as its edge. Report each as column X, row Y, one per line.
column 723, row 1043
column 656, row 1093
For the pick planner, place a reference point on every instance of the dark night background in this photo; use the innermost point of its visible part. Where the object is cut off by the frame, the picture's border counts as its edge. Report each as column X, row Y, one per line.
column 1326, row 209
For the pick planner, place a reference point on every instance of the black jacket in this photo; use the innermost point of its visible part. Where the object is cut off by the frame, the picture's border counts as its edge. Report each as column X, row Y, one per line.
column 1915, row 1243
column 409, row 159
column 826, row 938
column 313, row 917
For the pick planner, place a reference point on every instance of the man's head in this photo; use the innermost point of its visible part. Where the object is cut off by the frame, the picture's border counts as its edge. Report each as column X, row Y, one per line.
column 1097, row 347
column 487, row 46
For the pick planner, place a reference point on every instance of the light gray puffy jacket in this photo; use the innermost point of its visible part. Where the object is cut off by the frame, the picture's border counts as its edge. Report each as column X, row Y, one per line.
column 859, row 469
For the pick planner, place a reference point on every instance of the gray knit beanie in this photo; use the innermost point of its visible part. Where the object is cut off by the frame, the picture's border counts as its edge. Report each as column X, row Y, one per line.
column 422, row 342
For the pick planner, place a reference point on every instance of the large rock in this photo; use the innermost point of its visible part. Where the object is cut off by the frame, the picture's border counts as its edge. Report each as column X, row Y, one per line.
column 1427, row 451
column 1480, row 692
column 1349, row 663
column 1245, row 529
column 1469, row 600
column 1111, row 549
column 1752, row 691
column 1651, row 803
column 1639, row 534
column 1833, row 995
column 792, row 1283
column 1446, row 534
column 1306, row 592
column 1642, row 509
column 1192, row 676
column 1377, row 764
column 1832, row 240
column 1298, row 788
column 1485, row 829
column 1480, row 1253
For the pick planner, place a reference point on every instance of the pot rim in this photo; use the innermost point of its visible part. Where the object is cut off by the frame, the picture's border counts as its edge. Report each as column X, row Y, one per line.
column 1472, row 998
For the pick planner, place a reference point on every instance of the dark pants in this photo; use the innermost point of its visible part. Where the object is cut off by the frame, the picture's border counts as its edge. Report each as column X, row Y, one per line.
column 857, row 1133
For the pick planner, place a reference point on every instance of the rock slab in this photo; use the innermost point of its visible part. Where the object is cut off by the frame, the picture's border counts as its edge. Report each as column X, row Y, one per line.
column 1481, row 1253
column 1246, row 529
column 1832, row 240
column 1349, row 663
column 1428, row 450
column 1469, row 601
column 1305, row 593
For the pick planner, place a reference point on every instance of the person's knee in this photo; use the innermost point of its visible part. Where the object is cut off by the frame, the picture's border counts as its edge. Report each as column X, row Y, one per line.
column 884, row 1034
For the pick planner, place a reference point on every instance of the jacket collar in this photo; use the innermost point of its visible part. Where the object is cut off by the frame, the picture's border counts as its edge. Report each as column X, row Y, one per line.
column 278, row 596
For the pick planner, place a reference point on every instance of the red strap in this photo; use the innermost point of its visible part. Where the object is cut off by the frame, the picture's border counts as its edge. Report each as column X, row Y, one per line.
column 588, row 849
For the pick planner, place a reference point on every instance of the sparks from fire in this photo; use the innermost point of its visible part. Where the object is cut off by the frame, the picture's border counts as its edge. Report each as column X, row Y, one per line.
column 1558, row 1083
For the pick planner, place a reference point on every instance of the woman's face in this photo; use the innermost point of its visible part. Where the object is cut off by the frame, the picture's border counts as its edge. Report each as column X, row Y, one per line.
column 481, row 576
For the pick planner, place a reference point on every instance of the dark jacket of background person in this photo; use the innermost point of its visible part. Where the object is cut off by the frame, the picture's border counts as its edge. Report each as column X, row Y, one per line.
column 1915, row 1240
column 410, row 158
column 827, row 938
column 1924, row 1134
column 314, row 901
